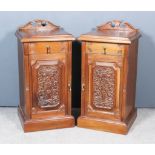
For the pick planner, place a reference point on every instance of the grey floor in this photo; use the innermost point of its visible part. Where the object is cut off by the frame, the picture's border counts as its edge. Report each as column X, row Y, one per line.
column 142, row 131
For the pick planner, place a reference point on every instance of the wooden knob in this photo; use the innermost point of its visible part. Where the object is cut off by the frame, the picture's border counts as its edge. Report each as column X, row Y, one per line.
column 69, row 87
column 105, row 51
column 83, row 86
column 48, row 49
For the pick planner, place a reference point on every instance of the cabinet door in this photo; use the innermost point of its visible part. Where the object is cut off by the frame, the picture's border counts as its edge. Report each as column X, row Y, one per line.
column 102, row 85
column 49, row 84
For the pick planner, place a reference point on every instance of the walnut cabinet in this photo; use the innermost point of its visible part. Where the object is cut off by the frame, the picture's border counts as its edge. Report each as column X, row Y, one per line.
column 44, row 51
column 109, row 64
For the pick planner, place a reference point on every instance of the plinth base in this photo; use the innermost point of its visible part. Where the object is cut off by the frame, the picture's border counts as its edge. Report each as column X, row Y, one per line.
column 107, row 125
column 45, row 124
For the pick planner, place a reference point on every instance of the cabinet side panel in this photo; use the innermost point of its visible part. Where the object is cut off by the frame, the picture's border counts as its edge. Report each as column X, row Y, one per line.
column 131, row 77
column 21, row 75
column 24, row 81
column 83, row 78
column 69, row 77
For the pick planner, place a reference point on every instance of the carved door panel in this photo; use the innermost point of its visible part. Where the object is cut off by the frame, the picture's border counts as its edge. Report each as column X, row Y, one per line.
column 103, row 87
column 49, row 85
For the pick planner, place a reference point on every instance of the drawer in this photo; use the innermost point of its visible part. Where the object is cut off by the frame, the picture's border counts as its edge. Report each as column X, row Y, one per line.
column 105, row 48
column 47, row 47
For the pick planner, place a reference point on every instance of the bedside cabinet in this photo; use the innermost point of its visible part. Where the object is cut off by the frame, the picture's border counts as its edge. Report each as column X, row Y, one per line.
column 44, row 52
column 109, row 66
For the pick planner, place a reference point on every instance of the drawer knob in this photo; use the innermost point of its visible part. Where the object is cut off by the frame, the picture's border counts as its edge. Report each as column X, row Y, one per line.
column 48, row 48
column 105, row 51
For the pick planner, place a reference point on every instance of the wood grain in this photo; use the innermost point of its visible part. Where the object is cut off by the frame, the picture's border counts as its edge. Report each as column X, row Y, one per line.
column 45, row 76
column 109, row 67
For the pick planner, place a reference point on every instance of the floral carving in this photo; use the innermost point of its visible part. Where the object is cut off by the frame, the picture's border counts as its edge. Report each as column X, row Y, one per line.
column 48, row 93
column 103, row 87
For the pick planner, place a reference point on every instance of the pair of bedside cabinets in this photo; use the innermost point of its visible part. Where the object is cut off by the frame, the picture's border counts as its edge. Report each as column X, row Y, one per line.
column 108, row 77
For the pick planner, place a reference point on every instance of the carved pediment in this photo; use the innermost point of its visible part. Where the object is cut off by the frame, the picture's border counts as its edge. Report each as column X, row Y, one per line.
column 116, row 25
column 39, row 25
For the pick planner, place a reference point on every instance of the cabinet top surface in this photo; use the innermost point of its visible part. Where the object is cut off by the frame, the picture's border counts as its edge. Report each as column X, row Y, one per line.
column 113, row 31
column 42, row 30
